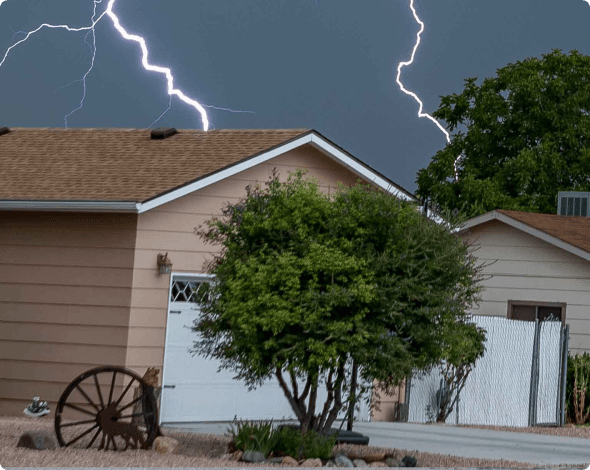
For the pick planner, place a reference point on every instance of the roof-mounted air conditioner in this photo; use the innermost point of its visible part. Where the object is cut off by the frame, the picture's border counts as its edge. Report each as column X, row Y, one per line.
column 572, row 203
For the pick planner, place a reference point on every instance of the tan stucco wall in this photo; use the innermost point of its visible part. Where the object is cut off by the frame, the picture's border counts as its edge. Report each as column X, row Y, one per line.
column 65, row 292
column 528, row 269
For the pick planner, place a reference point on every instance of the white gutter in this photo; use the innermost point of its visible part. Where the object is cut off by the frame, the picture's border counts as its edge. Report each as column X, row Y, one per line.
column 69, row 206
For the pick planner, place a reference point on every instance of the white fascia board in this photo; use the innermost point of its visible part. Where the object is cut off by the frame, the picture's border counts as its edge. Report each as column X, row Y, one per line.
column 527, row 229
column 310, row 138
column 220, row 175
column 356, row 167
column 69, row 206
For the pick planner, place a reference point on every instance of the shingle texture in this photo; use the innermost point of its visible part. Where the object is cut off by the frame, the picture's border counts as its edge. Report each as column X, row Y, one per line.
column 119, row 164
column 573, row 230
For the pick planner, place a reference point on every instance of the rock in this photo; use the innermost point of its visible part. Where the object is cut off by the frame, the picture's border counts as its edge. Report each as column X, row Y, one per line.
column 343, row 461
column 311, row 463
column 40, row 440
column 360, row 463
column 409, row 461
column 253, row 456
column 165, row 445
column 237, row 455
column 377, row 464
column 290, row 461
column 278, row 460
column 391, row 462
column 330, row 463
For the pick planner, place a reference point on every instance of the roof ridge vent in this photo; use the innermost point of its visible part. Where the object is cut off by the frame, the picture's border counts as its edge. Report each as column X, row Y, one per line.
column 163, row 132
column 4, row 130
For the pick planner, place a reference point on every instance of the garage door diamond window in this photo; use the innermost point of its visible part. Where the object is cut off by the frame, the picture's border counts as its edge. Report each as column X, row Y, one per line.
column 185, row 291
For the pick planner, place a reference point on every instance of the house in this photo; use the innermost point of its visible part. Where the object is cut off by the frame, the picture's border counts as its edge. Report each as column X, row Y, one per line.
column 538, row 267
column 98, row 255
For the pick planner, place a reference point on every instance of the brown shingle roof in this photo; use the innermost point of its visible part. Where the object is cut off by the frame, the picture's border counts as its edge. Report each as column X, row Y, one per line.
column 119, row 164
column 572, row 230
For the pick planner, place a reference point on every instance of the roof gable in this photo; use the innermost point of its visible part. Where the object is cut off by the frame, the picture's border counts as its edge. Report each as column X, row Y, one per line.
column 125, row 170
column 571, row 234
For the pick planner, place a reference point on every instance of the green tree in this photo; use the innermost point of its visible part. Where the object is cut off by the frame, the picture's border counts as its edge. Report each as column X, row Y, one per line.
column 306, row 283
column 521, row 137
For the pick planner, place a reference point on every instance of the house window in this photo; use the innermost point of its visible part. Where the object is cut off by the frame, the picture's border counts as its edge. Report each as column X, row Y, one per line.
column 530, row 311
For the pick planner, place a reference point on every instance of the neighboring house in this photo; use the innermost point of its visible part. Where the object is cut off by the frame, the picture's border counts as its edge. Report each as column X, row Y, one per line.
column 541, row 268
column 85, row 215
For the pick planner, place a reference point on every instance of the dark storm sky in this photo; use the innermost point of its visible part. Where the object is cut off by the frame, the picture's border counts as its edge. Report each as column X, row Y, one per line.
column 323, row 64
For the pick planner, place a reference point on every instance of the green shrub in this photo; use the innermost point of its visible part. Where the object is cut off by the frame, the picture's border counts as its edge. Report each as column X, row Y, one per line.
column 578, row 388
column 311, row 445
column 257, row 436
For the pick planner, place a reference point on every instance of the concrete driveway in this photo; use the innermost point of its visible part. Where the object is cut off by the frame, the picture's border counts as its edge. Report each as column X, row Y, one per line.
column 536, row 449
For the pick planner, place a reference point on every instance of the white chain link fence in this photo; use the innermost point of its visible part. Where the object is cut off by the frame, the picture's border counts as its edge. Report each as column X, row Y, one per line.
column 519, row 381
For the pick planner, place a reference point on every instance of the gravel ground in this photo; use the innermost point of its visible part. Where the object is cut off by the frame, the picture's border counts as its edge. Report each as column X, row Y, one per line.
column 195, row 450
column 569, row 430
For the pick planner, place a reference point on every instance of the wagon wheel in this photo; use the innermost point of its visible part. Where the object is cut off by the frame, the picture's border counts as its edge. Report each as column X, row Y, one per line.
column 90, row 407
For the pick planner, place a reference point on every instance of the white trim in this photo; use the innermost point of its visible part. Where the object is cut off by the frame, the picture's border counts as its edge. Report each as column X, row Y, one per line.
column 356, row 167
column 315, row 140
column 163, row 390
column 74, row 206
column 527, row 229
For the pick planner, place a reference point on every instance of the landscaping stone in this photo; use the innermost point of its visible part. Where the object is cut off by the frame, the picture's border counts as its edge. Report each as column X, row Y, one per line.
column 330, row 463
column 253, row 456
column 290, row 461
column 409, row 461
column 377, row 464
column 39, row 440
column 275, row 460
column 343, row 461
column 311, row 463
column 391, row 462
column 165, row 445
column 360, row 463
column 237, row 455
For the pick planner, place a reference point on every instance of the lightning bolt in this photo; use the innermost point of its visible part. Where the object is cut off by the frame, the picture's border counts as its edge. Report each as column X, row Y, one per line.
column 130, row 37
column 83, row 80
column 401, row 65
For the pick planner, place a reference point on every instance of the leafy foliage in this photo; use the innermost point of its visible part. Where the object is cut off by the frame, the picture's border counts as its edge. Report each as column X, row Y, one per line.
column 306, row 283
column 521, row 137
column 309, row 445
column 253, row 435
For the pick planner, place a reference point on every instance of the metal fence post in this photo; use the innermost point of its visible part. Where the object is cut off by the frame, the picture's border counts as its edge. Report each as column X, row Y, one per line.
column 564, row 356
column 533, row 391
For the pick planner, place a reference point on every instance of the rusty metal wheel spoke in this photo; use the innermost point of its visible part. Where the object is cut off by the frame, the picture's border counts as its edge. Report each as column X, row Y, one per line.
column 133, row 402
column 119, row 431
column 87, row 397
column 88, row 431
column 112, row 388
column 77, row 423
column 94, row 438
column 98, row 390
column 135, row 415
column 125, row 391
column 75, row 407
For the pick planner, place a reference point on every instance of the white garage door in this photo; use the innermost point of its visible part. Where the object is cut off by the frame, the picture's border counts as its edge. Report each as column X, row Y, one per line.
column 193, row 389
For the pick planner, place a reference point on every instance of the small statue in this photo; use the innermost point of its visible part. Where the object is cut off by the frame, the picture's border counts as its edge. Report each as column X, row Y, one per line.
column 151, row 376
column 37, row 408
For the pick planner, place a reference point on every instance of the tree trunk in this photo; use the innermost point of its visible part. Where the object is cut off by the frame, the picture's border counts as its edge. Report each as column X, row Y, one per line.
column 352, row 397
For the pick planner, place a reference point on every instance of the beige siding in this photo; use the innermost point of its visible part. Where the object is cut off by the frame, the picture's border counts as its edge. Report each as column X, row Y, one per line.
column 65, row 294
column 170, row 228
column 528, row 269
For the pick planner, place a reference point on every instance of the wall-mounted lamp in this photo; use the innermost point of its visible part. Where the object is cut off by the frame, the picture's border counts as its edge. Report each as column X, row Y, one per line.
column 164, row 263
